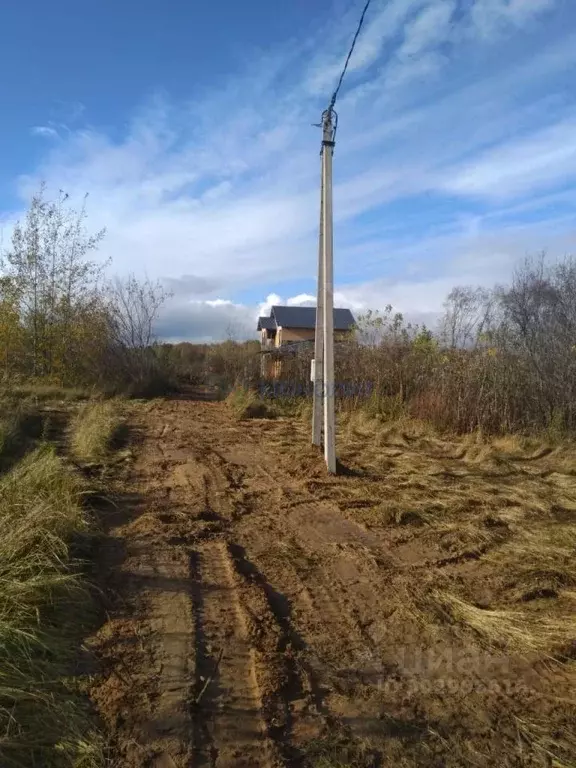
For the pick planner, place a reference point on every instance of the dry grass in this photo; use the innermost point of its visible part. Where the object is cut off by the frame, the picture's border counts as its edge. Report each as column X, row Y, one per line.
column 515, row 630
column 338, row 749
column 507, row 503
column 245, row 404
column 558, row 750
column 506, row 506
column 42, row 392
column 473, row 541
column 541, row 559
column 42, row 608
column 95, row 429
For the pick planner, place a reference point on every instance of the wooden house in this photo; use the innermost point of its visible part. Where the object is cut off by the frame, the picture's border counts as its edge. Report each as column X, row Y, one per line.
column 291, row 330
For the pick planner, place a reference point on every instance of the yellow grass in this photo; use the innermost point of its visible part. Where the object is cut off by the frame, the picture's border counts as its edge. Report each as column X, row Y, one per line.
column 95, row 428
column 245, row 404
column 544, row 554
column 42, row 608
column 515, row 630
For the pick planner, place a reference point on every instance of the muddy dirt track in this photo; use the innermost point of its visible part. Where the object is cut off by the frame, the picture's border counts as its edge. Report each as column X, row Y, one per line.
column 259, row 620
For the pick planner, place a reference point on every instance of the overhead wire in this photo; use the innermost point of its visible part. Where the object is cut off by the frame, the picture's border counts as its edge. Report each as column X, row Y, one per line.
column 349, row 56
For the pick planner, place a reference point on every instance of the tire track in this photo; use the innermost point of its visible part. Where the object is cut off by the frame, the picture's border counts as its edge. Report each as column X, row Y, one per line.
column 229, row 728
column 171, row 624
column 292, row 697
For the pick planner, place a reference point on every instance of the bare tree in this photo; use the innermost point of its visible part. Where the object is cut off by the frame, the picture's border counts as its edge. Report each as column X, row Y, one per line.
column 540, row 308
column 133, row 308
column 467, row 314
column 130, row 359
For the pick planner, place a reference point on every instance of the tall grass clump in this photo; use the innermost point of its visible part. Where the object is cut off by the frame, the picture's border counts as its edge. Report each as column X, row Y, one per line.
column 95, row 429
column 19, row 427
column 43, row 608
column 246, row 404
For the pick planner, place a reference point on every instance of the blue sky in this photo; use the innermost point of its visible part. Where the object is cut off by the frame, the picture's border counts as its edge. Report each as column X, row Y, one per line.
column 189, row 125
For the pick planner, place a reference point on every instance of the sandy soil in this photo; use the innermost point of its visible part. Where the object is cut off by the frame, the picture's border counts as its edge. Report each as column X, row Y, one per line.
column 265, row 614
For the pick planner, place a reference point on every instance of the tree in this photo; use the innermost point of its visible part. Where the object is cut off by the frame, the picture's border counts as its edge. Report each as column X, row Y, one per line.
column 10, row 328
column 129, row 358
column 52, row 283
column 467, row 314
column 540, row 310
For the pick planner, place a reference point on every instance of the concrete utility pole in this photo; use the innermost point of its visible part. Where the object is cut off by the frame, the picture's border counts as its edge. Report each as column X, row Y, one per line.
column 323, row 371
column 325, row 306
column 318, row 371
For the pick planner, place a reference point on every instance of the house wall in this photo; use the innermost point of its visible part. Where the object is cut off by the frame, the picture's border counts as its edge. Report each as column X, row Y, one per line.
column 285, row 335
column 294, row 334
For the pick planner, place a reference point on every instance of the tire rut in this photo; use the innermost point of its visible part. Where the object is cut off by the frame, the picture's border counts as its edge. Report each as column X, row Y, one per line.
column 292, row 697
column 229, row 728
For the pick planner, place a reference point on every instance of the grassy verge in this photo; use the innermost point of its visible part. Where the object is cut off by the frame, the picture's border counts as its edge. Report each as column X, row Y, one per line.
column 43, row 608
column 96, row 428
column 41, row 393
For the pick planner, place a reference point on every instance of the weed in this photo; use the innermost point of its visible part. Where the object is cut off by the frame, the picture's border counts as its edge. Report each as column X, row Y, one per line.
column 557, row 749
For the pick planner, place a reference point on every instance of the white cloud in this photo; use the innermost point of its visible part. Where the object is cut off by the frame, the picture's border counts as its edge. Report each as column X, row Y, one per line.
column 302, row 300
column 429, row 27
column 522, row 166
column 45, row 131
column 379, row 29
column 474, row 253
column 401, row 72
column 270, row 301
column 490, row 16
column 205, row 321
column 219, row 303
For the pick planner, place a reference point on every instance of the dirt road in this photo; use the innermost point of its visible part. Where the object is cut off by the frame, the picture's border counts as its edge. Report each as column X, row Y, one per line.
column 263, row 615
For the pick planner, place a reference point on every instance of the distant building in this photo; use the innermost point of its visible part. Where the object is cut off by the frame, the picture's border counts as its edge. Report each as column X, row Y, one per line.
column 289, row 330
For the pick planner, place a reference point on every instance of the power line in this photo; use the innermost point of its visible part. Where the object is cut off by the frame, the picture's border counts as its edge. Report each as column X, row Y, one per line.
column 350, row 52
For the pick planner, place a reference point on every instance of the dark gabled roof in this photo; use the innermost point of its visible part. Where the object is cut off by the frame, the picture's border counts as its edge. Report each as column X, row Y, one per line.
column 266, row 323
column 305, row 317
